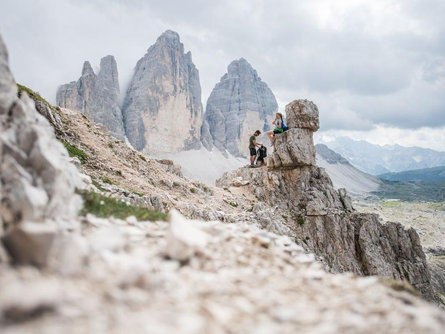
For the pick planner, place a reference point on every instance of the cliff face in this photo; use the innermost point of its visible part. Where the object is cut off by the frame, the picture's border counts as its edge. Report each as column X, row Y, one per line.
column 238, row 105
column 97, row 96
column 162, row 108
column 323, row 219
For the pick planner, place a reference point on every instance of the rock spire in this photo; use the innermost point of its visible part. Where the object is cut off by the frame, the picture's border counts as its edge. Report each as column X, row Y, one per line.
column 162, row 108
column 97, row 96
column 238, row 105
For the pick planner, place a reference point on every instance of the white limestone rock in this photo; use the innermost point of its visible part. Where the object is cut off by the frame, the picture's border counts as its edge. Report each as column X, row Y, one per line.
column 184, row 239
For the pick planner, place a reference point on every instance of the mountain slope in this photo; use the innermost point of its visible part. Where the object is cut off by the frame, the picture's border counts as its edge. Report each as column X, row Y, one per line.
column 343, row 174
column 434, row 174
column 376, row 159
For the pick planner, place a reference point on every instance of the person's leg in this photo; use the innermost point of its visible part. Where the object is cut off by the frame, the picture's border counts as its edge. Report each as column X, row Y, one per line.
column 270, row 135
column 252, row 155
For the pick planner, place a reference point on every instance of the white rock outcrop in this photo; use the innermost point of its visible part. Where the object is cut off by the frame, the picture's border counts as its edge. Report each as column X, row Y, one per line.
column 322, row 218
column 37, row 181
column 295, row 147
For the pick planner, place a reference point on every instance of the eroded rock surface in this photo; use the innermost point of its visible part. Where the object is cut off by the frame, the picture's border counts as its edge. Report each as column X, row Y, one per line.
column 97, row 96
column 162, row 108
column 240, row 104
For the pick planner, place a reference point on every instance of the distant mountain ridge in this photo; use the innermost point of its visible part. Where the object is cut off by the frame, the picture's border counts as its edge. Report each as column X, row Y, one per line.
column 343, row 174
column 376, row 159
column 434, row 174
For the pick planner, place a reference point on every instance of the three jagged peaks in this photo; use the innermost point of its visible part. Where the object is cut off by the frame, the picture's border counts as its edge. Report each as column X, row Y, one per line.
column 162, row 110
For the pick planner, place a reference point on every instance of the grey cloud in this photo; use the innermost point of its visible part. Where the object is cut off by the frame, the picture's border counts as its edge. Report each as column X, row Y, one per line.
column 358, row 76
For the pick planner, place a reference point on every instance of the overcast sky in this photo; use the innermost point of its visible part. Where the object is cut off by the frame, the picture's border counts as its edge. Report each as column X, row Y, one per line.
column 376, row 69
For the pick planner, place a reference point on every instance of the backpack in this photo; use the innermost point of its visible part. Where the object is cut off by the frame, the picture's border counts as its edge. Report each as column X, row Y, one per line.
column 284, row 126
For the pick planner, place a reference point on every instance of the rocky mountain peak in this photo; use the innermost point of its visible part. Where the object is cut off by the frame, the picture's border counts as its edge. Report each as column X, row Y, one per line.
column 97, row 96
column 108, row 75
column 162, row 108
column 169, row 36
column 241, row 66
column 87, row 69
column 238, row 105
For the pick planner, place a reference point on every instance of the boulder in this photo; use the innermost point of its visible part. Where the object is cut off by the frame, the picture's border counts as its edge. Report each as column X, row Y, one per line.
column 184, row 239
column 302, row 114
column 30, row 243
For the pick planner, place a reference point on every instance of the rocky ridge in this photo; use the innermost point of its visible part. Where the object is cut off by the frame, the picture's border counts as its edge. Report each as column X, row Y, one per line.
column 103, row 275
column 162, row 108
column 323, row 218
column 238, row 105
column 97, row 96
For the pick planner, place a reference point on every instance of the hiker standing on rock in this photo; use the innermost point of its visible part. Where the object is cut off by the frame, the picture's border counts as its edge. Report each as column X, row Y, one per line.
column 279, row 127
column 252, row 147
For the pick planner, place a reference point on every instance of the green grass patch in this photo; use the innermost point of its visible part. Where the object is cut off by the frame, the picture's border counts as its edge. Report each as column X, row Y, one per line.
column 418, row 191
column 300, row 220
column 142, row 158
column 97, row 185
column 104, row 207
column 74, row 151
column 193, row 190
column 234, row 204
column 391, row 204
column 440, row 206
column 110, row 145
column 140, row 194
column 106, row 179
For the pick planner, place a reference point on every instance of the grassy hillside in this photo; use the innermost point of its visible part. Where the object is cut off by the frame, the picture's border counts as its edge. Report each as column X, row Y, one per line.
column 434, row 174
column 411, row 191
